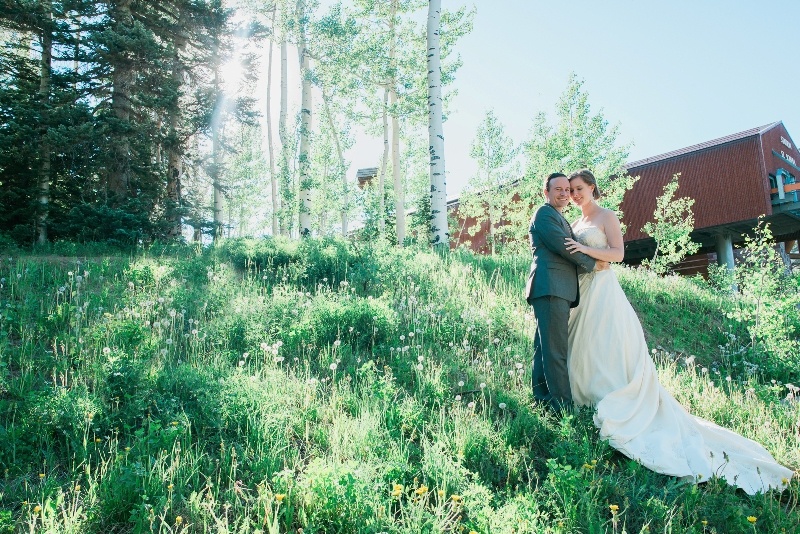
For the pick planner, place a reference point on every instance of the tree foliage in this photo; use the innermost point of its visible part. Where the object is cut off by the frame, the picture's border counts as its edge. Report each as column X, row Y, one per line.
column 672, row 224
column 491, row 189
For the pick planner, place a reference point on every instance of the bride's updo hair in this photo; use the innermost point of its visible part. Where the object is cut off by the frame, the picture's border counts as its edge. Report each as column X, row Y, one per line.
column 587, row 176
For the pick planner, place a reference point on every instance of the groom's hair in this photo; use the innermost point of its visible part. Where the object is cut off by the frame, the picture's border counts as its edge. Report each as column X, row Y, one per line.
column 551, row 177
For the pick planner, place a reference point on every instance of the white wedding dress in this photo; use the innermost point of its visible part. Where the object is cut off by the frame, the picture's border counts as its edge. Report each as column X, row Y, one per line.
column 610, row 368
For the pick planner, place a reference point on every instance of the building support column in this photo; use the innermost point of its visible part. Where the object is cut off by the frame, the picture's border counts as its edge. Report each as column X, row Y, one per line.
column 725, row 251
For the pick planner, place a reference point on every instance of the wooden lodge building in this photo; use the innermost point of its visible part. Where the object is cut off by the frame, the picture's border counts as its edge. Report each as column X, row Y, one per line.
column 734, row 180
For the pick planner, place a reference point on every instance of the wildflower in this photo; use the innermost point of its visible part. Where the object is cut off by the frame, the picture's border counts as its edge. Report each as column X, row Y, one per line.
column 420, row 358
column 337, row 342
column 785, row 481
column 455, row 498
column 419, row 367
column 332, row 366
column 483, row 385
column 280, row 496
column 502, row 405
column 422, row 490
column 37, row 509
column 752, row 518
column 77, row 488
column 440, row 493
column 178, row 520
column 170, row 487
column 704, row 522
column 471, row 405
column 411, row 334
column 41, row 476
column 461, row 383
column 458, row 397
column 174, row 423
column 614, row 508
column 106, row 350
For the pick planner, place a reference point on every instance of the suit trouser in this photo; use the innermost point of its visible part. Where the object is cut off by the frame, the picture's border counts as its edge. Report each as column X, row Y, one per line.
column 550, row 374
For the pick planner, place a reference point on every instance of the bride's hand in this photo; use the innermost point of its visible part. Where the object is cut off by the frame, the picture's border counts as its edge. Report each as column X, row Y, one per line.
column 573, row 246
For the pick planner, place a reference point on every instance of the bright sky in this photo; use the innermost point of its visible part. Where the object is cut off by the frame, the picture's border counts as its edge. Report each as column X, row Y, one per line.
column 670, row 73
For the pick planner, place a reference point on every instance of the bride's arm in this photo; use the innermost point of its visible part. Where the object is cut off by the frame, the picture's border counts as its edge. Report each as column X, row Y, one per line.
column 616, row 248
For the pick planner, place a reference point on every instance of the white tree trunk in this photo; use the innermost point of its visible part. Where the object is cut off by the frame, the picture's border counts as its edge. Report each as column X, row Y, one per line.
column 340, row 159
column 305, row 125
column 283, row 134
column 399, row 186
column 273, row 179
column 216, row 163
column 384, row 160
column 46, row 39
column 440, row 235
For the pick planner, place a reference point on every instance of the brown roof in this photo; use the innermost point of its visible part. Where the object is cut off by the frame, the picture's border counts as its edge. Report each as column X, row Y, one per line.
column 728, row 178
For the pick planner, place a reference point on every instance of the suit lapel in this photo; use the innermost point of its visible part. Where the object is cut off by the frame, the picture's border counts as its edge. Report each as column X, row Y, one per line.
column 564, row 221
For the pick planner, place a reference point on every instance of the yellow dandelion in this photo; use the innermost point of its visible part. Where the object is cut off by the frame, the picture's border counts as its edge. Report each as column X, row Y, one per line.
column 169, row 487
column 704, row 522
column 37, row 509
column 614, row 508
column 752, row 518
column 77, row 487
column 785, row 481
column 594, row 462
column 396, row 493
column 422, row 490
column 41, row 476
column 455, row 498
column 127, row 449
column 440, row 493
column 280, row 496
column 178, row 520
column 97, row 440
column 174, row 423
column 397, row 487
column 473, row 532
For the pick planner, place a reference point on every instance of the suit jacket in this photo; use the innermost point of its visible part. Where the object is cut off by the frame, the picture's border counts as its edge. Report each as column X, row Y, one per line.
column 554, row 271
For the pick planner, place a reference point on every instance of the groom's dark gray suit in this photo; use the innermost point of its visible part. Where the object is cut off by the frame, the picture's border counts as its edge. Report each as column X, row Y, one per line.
column 552, row 289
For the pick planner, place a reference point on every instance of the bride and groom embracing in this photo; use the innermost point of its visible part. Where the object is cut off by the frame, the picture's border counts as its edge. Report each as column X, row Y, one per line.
column 590, row 350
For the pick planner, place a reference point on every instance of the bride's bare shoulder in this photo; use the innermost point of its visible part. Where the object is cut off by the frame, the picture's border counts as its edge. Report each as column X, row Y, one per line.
column 609, row 215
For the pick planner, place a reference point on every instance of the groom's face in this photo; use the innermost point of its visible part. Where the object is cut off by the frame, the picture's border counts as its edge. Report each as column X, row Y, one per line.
column 558, row 192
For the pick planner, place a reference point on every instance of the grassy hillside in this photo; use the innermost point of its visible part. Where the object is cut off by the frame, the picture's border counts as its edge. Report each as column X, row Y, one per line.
column 271, row 386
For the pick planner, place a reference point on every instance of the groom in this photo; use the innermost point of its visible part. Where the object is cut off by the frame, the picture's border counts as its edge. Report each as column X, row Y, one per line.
column 552, row 289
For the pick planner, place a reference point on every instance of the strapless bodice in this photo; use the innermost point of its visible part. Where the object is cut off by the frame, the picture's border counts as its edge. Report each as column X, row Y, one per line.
column 591, row 236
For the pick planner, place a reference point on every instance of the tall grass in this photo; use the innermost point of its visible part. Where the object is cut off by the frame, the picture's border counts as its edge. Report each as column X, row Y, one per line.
column 272, row 386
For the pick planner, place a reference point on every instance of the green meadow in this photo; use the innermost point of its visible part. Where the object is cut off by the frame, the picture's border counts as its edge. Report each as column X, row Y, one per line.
column 323, row 386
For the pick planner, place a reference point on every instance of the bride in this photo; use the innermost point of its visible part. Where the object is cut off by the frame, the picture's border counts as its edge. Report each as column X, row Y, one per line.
column 611, row 369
